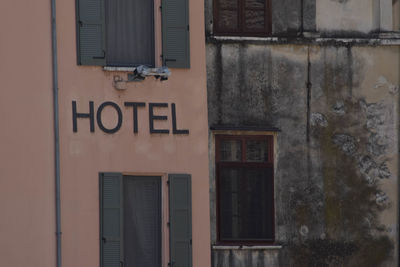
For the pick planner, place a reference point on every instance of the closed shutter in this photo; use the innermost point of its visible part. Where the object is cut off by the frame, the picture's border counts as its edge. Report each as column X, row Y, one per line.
column 180, row 212
column 111, row 218
column 175, row 26
column 90, row 32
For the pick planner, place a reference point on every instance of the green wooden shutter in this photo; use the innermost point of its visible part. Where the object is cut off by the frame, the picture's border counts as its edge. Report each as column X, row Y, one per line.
column 111, row 219
column 180, row 218
column 175, row 33
column 90, row 32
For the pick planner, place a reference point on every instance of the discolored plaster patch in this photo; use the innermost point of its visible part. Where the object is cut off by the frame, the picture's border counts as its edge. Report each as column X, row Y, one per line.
column 383, row 83
column 346, row 143
column 318, row 119
column 340, row 1
column 339, row 107
column 304, row 230
column 352, row 149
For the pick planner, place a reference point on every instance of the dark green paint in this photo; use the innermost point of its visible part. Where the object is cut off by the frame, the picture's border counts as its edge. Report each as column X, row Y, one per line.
column 90, row 32
column 180, row 218
column 111, row 220
column 175, row 33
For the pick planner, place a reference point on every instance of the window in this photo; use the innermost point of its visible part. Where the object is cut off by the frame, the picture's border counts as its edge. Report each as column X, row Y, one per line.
column 128, row 21
column 131, row 220
column 242, row 17
column 245, row 195
column 122, row 32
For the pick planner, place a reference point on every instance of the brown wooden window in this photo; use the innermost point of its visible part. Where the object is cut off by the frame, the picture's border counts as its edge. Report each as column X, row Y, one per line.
column 245, row 195
column 242, row 17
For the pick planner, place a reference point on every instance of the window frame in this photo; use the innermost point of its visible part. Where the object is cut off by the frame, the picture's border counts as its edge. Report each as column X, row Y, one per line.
column 268, row 164
column 175, row 195
column 171, row 34
column 242, row 31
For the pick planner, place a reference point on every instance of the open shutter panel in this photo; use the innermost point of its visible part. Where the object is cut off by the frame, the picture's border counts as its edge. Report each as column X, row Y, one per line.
column 91, row 32
column 175, row 33
column 111, row 241
column 180, row 213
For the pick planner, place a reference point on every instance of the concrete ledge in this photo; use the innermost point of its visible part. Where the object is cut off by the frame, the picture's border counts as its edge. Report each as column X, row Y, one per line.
column 217, row 247
column 390, row 39
column 264, row 128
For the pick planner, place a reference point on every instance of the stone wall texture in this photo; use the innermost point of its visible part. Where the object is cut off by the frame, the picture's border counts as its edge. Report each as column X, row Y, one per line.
column 336, row 167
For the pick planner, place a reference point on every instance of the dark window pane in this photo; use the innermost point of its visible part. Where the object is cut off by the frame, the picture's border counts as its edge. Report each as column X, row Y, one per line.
column 255, row 3
column 257, row 151
column 228, row 20
column 254, row 19
column 230, row 150
column 142, row 221
column 246, row 204
column 229, row 210
column 128, row 21
column 228, row 3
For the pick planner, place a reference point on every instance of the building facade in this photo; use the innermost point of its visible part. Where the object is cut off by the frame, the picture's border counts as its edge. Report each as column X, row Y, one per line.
column 131, row 145
column 303, row 109
column 271, row 138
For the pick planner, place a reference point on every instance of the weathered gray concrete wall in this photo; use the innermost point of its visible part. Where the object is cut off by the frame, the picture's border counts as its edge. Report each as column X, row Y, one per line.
column 287, row 17
column 342, row 18
column 347, row 15
column 244, row 258
column 336, row 173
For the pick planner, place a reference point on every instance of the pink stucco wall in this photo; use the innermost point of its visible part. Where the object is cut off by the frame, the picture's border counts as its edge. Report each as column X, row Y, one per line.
column 27, row 223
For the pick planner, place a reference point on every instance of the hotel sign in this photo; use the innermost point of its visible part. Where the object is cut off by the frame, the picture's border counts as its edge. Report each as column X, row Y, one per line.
column 135, row 106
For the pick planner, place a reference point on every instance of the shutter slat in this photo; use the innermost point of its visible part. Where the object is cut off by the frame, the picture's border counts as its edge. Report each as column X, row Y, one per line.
column 180, row 212
column 111, row 219
column 91, row 32
column 175, row 36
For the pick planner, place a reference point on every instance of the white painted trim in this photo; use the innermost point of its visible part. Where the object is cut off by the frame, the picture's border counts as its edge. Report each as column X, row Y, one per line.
column 241, row 38
column 130, row 69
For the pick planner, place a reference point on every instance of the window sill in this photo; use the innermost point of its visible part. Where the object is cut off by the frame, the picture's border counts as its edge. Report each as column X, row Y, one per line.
column 272, row 247
column 128, row 69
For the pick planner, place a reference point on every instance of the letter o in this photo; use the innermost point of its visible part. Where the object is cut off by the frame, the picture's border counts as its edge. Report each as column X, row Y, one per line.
column 100, row 123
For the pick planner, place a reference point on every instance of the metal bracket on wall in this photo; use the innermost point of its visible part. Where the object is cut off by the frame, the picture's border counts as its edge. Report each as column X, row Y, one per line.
column 139, row 74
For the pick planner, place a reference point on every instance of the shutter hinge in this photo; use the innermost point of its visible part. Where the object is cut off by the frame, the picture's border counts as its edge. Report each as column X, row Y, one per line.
column 103, row 56
column 160, row 7
column 168, row 182
column 168, row 224
column 188, row 27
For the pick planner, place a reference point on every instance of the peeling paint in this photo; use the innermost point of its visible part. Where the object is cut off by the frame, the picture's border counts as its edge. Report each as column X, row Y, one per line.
column 383, row 83
column 339, row 108
column 318, row 119
column 346, row 142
